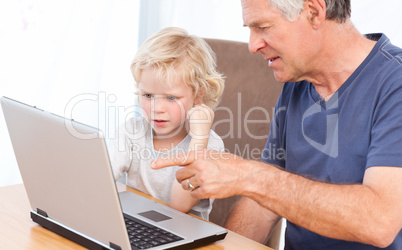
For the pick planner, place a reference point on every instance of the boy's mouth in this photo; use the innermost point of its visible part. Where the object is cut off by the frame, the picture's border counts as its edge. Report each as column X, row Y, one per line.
column 158, row 122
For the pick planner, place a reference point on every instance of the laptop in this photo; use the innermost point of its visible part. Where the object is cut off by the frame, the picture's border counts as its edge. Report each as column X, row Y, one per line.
column 68, row 178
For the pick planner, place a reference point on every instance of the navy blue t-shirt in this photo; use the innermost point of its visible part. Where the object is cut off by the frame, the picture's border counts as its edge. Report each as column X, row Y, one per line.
column 359, row 127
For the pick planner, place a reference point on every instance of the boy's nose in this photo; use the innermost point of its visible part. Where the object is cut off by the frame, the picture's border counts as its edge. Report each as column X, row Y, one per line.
column 158, row 105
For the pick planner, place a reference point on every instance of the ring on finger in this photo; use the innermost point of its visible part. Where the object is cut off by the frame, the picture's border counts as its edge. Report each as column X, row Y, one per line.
column 190, row 186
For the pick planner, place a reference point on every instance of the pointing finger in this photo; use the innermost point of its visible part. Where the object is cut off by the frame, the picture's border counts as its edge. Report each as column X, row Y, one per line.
column 182, row 159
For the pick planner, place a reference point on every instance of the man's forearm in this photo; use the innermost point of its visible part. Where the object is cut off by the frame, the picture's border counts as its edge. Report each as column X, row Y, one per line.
column 347, row 212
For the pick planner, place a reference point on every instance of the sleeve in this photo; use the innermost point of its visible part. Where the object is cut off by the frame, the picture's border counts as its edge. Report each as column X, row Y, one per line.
column 275, row 144
column 386, row 131
column 215, row 142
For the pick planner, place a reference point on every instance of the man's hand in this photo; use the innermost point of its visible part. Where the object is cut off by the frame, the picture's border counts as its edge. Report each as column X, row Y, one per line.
column 213, row 174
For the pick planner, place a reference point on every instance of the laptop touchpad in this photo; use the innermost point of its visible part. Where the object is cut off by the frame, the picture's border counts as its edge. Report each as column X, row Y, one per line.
column 155, row 216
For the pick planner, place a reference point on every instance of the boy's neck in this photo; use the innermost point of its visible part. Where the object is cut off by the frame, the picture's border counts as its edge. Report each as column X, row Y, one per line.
column 167, row 144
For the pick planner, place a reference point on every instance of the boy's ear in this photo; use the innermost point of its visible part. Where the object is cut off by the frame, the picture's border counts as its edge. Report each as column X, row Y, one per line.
column 198, row 99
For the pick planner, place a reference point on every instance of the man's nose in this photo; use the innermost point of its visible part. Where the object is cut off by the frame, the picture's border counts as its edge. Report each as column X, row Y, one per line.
column 256, row 42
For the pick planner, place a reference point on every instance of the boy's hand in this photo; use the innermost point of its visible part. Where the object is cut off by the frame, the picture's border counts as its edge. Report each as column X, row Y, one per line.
column 200, row 120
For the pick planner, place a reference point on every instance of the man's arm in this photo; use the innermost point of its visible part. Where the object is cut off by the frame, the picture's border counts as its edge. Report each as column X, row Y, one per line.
column 369, row 213
column 250, row 219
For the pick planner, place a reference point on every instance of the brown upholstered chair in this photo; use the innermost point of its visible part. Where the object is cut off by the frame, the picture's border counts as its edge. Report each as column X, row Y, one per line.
column 243, row 117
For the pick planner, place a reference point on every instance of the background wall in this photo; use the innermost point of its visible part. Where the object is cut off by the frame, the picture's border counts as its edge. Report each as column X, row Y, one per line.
column 52, row 52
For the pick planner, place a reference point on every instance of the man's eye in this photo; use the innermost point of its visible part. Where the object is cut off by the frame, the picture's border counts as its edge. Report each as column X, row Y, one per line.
column 147, row 95
column 171, row 98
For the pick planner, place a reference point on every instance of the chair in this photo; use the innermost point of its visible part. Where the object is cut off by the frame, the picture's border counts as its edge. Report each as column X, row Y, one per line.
column 243, row 117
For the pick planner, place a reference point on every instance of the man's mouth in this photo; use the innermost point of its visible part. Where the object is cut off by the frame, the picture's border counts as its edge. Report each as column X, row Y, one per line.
column 273, row 59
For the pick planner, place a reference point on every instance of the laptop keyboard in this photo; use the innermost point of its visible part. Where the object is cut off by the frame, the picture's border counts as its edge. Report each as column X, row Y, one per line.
column 144, row 236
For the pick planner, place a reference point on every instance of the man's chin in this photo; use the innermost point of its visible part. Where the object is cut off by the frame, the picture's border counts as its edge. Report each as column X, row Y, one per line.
column 283, row 77
column 279, row 76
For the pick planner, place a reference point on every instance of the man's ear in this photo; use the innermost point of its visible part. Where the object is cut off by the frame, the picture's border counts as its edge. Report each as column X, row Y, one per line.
column 316, row 12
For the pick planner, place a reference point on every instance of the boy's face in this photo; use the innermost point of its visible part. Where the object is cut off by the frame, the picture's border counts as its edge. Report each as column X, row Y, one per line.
column 165, row 105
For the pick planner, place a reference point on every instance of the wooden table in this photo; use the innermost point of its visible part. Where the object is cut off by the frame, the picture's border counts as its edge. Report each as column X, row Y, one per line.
column 18, row 231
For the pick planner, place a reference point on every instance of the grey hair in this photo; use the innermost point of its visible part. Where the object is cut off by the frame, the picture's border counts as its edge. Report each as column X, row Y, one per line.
column 338, row 10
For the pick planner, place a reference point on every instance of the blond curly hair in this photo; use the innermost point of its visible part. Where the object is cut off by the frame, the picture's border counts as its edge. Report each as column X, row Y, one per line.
column 171, row 47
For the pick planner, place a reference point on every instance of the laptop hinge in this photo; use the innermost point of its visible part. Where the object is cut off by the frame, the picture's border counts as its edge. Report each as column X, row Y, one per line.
column 114, row 246
column 41, row 212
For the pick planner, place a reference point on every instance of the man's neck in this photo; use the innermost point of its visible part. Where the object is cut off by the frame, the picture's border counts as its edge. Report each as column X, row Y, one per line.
column 344, row 52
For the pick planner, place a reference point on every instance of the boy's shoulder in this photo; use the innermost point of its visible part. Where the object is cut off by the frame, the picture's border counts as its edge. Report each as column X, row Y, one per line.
column 215, row 141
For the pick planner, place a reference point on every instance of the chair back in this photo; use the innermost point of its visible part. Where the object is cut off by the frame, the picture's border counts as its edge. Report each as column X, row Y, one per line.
column 243, row 117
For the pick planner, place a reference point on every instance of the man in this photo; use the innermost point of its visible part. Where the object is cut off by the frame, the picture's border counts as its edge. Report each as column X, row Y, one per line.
column 339, row 121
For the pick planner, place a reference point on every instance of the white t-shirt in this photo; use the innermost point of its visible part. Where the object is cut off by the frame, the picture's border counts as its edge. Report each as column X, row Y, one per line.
column 132, row 151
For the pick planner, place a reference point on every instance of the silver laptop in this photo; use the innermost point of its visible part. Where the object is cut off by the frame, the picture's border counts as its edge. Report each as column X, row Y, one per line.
column 71, row 189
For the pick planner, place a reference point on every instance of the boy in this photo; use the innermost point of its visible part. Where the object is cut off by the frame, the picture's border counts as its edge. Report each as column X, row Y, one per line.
column 178, row 86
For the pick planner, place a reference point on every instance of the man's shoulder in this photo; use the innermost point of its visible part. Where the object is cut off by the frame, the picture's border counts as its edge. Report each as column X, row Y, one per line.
column 384, row 65
column 387, row 55
column 391, row 50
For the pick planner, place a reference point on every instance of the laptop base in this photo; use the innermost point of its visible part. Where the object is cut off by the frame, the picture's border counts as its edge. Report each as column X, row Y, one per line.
column 91, row 244
column 68, row 233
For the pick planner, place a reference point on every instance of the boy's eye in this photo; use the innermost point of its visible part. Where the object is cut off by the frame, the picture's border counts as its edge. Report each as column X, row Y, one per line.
column 171, row 98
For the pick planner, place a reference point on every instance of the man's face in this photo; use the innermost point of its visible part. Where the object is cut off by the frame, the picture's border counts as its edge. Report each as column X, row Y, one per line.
column 289, row 47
